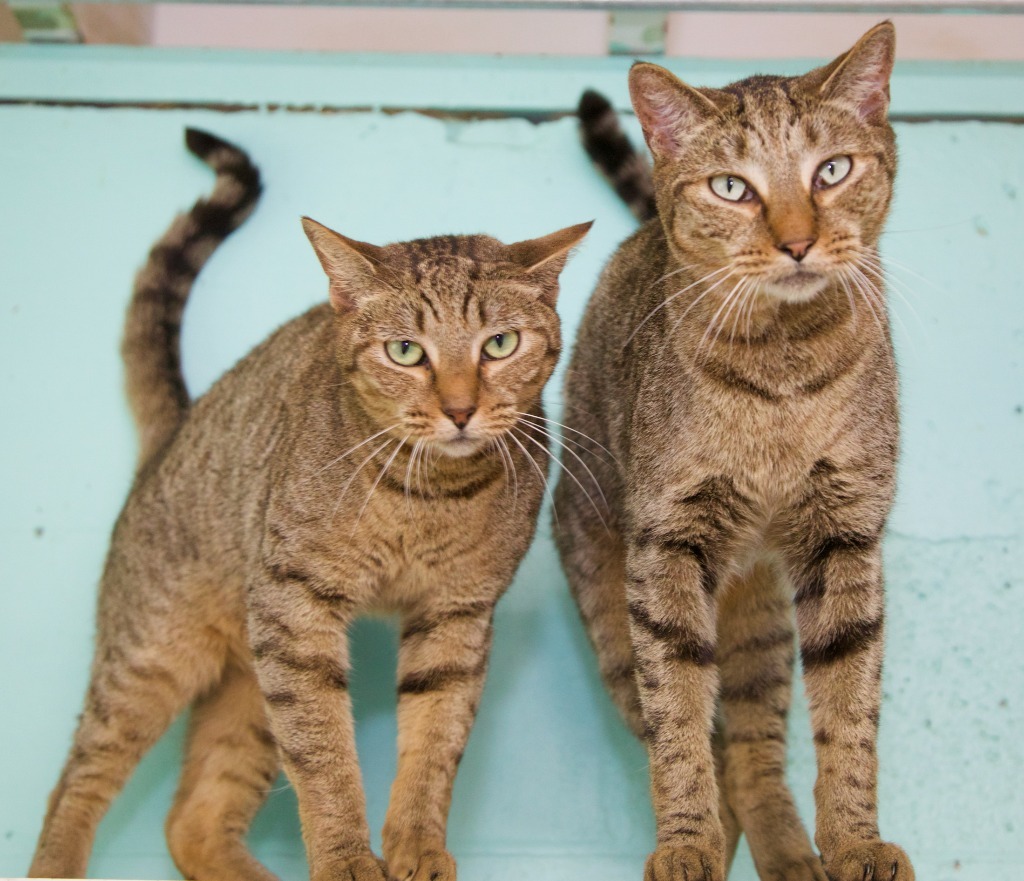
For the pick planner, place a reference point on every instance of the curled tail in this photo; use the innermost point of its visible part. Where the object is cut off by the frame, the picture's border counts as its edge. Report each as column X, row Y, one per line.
column 151, row 347
column 615, row 157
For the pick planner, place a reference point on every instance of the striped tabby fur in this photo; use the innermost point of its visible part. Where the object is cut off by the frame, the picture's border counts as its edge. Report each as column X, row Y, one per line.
column 735, row 372
column 316, row 481
column 610, row 150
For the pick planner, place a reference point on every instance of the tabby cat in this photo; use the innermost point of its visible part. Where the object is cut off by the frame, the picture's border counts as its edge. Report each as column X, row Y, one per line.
column 385, row 451
column 735, row 373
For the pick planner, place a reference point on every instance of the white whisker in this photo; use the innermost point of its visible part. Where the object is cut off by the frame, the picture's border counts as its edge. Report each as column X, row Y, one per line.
column 668, row 300
column 349, row 452
column 566, row 469
column 355, row 473
column 686, row 311
column 540, row 473
column 383, row 470
column 573, row 430
column 714, row 320
column 507, row 454
column 555, row 439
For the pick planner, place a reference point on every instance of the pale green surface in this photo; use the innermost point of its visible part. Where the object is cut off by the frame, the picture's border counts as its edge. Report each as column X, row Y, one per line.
column 551, row 787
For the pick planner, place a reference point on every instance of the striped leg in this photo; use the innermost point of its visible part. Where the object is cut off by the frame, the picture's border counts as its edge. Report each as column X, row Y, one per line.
column 298, row 631
column 595, row 564
column 230, row 765
column 138, row 686
column 673, row 627
column 840, row 609
column 441, row 668
column 756, row 643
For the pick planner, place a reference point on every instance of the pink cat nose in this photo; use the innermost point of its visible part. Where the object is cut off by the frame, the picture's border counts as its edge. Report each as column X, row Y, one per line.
column 459, row 415
column 797, row 249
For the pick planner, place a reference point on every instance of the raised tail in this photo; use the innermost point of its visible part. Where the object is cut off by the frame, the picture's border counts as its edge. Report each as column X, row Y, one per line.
column 615, row 157
column 151, row 347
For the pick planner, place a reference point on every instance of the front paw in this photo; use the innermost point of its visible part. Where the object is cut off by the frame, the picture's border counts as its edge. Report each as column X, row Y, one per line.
column 413, row 864
column 870, row 861
column 684, row 864
column 365, row 867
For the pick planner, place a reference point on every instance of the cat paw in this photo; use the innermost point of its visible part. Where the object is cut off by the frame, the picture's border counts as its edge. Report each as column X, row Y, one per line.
column 427, row 865
column 684, row 864
column 806, row 868
column 365, row 867
column 870, row 861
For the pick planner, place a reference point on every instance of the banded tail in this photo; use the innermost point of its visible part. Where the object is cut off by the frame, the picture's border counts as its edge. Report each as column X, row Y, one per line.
column 151, row 347
column 615, row 157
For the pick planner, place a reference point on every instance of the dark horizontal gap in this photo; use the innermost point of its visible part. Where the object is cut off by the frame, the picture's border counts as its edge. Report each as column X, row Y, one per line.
column 534, row 116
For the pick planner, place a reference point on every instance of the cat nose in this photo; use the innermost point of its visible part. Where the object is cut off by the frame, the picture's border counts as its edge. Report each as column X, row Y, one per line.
column 797, row 249
column 459, row 415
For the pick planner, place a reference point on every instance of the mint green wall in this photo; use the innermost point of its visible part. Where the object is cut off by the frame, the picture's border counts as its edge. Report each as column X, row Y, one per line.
column 552, row 787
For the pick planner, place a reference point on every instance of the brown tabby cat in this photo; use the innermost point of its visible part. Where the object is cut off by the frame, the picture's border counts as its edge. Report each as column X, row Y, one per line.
column 735, row 372
column 384, row 452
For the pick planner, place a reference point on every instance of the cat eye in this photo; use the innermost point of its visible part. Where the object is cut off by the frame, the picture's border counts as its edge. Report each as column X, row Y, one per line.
column 731, row 188
column 405, row 352
column 831, row 171
column 501, row 345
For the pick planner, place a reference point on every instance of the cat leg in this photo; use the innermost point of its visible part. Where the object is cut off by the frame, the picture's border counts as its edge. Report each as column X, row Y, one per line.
column 442, row 664
column 730, row 824
column 594, row 561
column 230, row 764
column 138, row 687
column 756, row 644
column 298, row 632
column 840, row 615
column 676, row 558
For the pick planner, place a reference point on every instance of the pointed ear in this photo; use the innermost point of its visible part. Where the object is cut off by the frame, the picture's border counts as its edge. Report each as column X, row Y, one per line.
column 667, row 108
column 543, row 259
column 860, row 77
column 351, row 266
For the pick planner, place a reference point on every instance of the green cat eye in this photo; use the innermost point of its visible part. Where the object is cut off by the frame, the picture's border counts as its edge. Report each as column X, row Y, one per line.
column 833, row 170
column 501, row 345
column 405, row 352
column 731, row 188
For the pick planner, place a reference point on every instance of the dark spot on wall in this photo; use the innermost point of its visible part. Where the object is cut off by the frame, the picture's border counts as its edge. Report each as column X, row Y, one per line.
column 38, row 532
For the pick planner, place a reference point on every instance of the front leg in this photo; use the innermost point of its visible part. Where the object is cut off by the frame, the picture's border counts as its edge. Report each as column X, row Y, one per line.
column 442, row 663
column 840, row 617
column 674, row 566
column 298, row 632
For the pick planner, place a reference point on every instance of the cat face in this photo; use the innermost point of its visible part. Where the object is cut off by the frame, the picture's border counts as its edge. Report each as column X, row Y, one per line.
column 775, row 186
column 446, row 340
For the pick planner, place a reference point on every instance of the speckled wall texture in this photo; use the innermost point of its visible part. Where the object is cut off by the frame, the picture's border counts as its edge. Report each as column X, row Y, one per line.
column 552, row 787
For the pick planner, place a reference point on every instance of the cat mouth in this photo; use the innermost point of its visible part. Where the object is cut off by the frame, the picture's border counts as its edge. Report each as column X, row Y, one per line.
column 797, row 286
column 459, row 446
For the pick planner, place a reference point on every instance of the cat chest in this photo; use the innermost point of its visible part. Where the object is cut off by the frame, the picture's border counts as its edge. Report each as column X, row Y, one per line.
column 768, row 447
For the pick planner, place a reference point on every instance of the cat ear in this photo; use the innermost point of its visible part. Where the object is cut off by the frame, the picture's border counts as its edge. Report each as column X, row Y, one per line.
column 351, row 266
column 667, row 108
column 861, row 76
column 543, row 259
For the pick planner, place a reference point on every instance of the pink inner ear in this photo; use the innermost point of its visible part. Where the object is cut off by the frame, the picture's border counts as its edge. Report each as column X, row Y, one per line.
column 863, row 79
column 666, row 119
column 874, row 101
column 663, row 111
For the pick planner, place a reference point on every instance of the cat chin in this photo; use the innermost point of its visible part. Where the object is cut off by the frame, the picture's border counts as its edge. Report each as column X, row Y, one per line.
column 459, row 448
column 800, row 287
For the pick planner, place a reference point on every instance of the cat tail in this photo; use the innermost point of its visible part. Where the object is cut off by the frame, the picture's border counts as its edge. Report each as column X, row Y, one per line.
column 627, row 170
column 151, row 347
